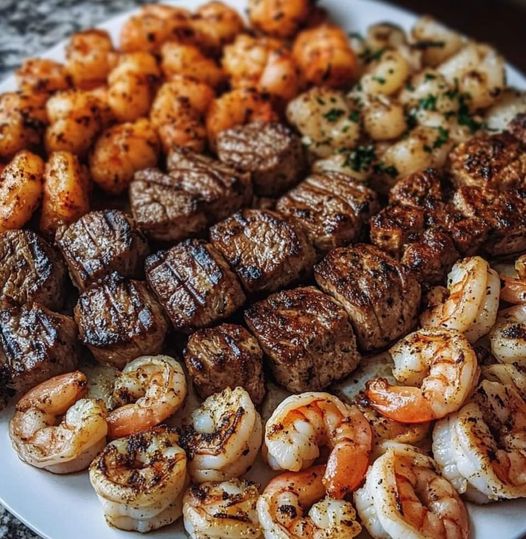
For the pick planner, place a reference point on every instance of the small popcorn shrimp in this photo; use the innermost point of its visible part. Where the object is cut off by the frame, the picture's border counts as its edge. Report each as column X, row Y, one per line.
column 281, row 18
column 42, row 75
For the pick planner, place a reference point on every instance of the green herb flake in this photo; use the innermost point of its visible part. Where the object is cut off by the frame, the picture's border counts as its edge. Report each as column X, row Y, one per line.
column 443, row 137
column 355, row 116
column 428, row 103
column 429, row 76
column 361, row 158
column 382, row 168
column 334, row 115
column 379, row 80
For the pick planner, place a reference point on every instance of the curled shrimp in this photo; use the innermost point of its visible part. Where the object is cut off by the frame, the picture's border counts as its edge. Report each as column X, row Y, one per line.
column 281, row 18
column 303, row 423
column 514, row 283
column 439, row 370
column 149, row 390
column 508, row 375
column 281, row 508
column 404, row 496
column 472, row 300
column 42, row 75
column 222, row 436
column 140, row 480
column 55, row 428
column 226, row 509
column 237, row 107
column 508, row 336
column 481, row 449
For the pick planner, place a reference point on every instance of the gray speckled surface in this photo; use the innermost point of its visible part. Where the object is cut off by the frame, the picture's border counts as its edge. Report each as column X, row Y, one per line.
column 26, row 28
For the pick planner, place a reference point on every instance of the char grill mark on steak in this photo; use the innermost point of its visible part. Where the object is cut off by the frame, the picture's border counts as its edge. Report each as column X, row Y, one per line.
column 30, row 270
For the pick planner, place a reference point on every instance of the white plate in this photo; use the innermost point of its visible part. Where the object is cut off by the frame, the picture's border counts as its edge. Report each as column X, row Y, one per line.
column 65, row 507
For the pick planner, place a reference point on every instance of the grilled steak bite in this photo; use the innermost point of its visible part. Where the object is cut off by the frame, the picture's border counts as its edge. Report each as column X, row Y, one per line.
column 119, row 320
column 332, row 207
column 225, row 356
column 101, row 242
column 497, row 161
column 35, row 344
column 307, row 337
column 379, row 294
column 271, row 152
column 265, row 249
column 421, row 189
column 221, row 189
column 30, row 270
column 162, row 209
column 194, row 284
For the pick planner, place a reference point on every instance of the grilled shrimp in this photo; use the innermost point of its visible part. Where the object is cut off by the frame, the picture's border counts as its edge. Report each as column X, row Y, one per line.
column 261, row 63
column 472, row 300
column 481, row 449
column 324, row 56
column 514, row 282
column 508, row 375
column 122, row 150
column 280, row 18
column 439, row 370
column 55, row 428
column 140, row 480
column 222, row 437
column 42, row 75
column 404, row 496
column 508, row 336
column 281, row 508
column 223, row 510
column 147, row 391
column 237, row 107
column 301, row 424
column 20, row 189
column 66, row 191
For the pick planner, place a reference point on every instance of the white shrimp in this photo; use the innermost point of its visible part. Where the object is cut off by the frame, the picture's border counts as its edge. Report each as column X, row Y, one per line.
column 140, row 480
column 439, row 370
column 508, row 336
column 223, row 436
column 472, row 301
column 55, row 428
column 149, row 390
column 507, row 374
column 481, row 449
column 303, row 423
column 514, row 281
column 404, row 496
column 223, row 510
column 281, row 509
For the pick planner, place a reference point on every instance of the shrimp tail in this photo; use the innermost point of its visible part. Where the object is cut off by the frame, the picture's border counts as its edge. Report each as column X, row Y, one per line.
column 405, row 404
column 346, row 469
column 513, row 290
column 119, row 420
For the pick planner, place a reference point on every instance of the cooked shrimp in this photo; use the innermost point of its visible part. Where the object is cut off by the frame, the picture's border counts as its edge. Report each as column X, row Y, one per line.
column 140, row 480
column 222, row 510
column 514, row 282
column 188, row 60
column 237, row 107
column 439, row 370
column 178, row 113
column 281, row 508
column 120, row 151
column 481, row 449
column 261, row 63
column 404, row 496
column 508, row 336
column 472, row 302
column 20, row 189
column 222, row 436
column 22, row 121
column 508, row 375
column 89, row 58
column 66, row 191
column 325, row 119
column 147, row 391
column 324, row 56
column 55, row 428
column 41, row 75
column 301, row 424
column 281, row 18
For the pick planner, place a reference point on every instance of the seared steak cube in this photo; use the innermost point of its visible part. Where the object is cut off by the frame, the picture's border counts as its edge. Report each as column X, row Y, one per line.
column 379, row 294
column 163, row 210
column 30, row 270
column 221, row 189
column 101, row 242
column 119, row 319
column 225, row 356
column 332, row 207
column 35, row 345
column 271, row 152
column 194, row 284
column 422, row 189
column 265, row 249
column 307, row 337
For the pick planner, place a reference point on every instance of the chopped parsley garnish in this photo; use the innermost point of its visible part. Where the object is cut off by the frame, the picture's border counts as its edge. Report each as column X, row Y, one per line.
column 465, row 118
column 368, row 55
column 428, row 103
column 355, row 116
column 334, row 115
column 382, row 168
column 379, row 80
column 429, row 76
column 360, row 158
column 443, row 137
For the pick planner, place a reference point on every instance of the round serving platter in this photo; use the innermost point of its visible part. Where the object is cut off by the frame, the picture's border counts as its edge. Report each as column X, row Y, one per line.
column 66, row 507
